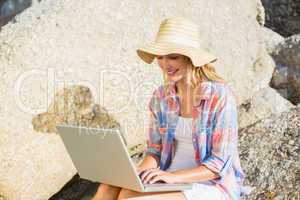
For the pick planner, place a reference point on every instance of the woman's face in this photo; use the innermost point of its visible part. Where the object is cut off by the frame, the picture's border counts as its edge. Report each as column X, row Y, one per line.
column 174, row 66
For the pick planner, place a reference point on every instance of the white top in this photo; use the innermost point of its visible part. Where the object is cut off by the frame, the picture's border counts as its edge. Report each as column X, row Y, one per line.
column 184, row 150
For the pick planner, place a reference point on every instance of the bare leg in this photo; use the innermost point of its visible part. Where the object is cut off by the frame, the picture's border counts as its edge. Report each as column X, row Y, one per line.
column 106, row 192
column 132, row 195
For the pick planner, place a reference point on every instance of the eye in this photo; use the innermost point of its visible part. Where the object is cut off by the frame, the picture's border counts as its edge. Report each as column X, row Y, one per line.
column 159, row 57
column 173, row 57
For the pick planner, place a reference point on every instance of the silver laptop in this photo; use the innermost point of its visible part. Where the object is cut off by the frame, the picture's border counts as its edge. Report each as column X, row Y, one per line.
column 101, row 155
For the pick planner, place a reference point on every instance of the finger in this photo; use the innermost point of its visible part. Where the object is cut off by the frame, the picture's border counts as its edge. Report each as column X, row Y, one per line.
column 157, row 178
column 152, row 175
column 140, row 174
column 146, row 172
column 140, row 170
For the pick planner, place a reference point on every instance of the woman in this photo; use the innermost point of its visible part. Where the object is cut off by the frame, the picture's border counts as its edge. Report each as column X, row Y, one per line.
column 193, row 122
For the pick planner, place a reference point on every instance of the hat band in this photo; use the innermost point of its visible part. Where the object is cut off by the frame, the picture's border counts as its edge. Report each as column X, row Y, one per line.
column 179, row 40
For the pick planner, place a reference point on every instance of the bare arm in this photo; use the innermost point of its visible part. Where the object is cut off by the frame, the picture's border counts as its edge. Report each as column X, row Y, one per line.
column 147, row 163
column 154, row 141
column 197, row 174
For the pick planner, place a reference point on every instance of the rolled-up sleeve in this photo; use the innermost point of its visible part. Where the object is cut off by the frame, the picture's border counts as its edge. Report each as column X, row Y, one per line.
column 154, row 140
column 224, row 134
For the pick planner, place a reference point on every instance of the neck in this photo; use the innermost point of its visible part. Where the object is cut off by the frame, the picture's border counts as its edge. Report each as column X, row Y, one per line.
column 184, row 89
column 185, row 92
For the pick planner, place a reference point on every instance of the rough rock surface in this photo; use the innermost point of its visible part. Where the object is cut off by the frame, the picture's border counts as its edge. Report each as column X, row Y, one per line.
column 58, row 43
column 10, row 8
column 286, row 76
column 271, row 39
column 288, row 51
column 74, row 106
column 283, row 16
column 270, row 155
column 265, row 103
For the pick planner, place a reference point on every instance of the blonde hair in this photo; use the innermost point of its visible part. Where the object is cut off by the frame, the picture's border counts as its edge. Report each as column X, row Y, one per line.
column 206, row 72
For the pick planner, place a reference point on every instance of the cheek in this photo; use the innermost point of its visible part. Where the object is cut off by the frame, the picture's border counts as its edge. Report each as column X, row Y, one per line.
column 160, row 64
column 177, row 64
column 182, row 69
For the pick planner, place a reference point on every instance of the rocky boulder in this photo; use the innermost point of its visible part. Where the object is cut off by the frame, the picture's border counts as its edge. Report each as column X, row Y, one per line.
column 42, row 156
column 270, row 155
column 59, row 43
column 271, row 39
column 286, row 76
column 265, row 103
column 73, row 106
column 282, row 16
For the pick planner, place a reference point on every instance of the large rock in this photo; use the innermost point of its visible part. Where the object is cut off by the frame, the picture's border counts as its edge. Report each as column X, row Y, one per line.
column 265, row 103
column 10, row 8
column 270, row 157
column 286, row 76
column 56, row 43
column 283, row 16
column 33, row 166
column 29, row 164
column 73, row 106
column 271, row 39
column 288, row 51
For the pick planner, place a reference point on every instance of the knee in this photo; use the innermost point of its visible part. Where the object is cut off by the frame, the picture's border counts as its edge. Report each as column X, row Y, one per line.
column 127, row 194
column 107, row 192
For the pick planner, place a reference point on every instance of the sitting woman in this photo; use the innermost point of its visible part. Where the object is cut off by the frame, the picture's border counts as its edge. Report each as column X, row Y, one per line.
column 193, row 122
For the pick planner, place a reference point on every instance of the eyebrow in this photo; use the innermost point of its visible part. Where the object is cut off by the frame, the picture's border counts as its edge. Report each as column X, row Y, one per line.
column 173, row 54
column 168, row 55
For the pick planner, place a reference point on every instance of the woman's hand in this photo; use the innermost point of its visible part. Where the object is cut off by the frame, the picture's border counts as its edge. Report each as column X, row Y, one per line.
column 155, row 174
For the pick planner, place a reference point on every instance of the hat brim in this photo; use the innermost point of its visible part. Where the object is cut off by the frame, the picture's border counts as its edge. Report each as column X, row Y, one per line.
column 198, row 57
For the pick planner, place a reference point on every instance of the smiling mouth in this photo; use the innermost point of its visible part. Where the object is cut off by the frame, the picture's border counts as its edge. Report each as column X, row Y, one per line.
column 172, row 72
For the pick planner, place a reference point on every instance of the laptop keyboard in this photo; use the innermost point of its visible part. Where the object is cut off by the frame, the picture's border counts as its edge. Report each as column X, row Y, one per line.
column 154, row 184
column 160, row 184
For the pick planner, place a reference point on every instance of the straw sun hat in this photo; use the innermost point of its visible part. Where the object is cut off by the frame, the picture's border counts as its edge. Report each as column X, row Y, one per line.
column 177, row 35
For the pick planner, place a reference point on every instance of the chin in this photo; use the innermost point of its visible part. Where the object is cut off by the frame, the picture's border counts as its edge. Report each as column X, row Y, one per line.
column 175, row 78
